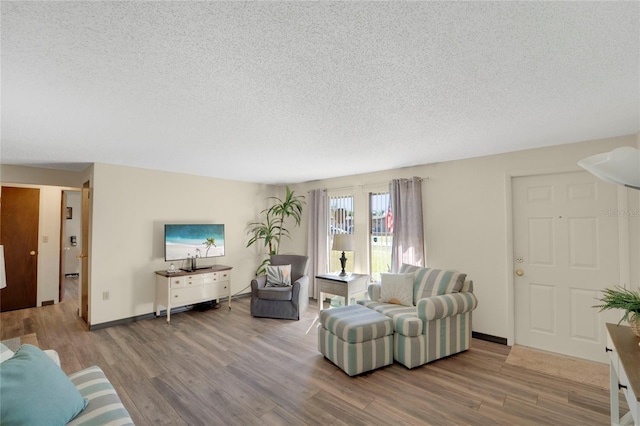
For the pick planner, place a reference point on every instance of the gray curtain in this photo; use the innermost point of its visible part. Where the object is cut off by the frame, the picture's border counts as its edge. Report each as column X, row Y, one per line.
column 317, row 249
column 408, row 226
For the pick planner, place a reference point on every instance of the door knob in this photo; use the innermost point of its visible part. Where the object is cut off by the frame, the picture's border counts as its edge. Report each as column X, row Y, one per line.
column 519, row 272
column 32, row 252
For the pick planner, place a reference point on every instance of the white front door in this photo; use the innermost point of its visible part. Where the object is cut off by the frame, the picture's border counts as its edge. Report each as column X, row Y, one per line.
column 565, row 252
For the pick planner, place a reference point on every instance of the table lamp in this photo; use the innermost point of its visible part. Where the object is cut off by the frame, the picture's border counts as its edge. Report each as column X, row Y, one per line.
column 343, row 242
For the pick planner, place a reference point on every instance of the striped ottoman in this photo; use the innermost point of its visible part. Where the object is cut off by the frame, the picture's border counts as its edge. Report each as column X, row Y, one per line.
column 355, row 338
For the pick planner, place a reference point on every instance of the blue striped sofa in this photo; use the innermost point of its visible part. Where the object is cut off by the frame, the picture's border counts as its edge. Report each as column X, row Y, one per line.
column 102, row 405
column 439, row 323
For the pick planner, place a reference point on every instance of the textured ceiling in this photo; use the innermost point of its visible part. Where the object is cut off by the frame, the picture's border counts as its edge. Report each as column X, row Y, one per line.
column 282, row 92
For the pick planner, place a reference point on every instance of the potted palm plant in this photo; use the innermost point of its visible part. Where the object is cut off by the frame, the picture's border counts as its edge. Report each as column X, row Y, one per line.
column 619, row 297
column 272, row 228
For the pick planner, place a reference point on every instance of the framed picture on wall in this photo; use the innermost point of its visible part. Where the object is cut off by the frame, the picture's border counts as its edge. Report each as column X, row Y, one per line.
column 69, row 212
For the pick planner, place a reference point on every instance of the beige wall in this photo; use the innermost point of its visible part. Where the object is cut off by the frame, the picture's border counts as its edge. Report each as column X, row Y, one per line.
column 40, row 176
column 467, row 219
column 130, row 208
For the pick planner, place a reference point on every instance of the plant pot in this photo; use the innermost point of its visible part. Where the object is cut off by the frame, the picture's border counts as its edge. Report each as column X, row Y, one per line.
column 634, row 323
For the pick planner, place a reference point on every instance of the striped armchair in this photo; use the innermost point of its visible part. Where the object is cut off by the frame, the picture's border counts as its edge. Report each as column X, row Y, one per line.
column 439, row 323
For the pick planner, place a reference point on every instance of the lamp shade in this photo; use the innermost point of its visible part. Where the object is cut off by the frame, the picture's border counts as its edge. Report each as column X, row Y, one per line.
column 343, row 242
column 620, row 166
column 3, row 274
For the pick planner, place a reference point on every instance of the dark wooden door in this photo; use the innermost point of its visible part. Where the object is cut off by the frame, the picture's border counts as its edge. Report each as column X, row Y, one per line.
column 19, row 213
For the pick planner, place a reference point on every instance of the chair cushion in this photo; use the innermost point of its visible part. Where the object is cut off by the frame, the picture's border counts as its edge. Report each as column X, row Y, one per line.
column 405, row 318
column 299, row 264
column 35, row 391
column 430, row 282
column 278, row 276
column 436, row 282
column 275, row 293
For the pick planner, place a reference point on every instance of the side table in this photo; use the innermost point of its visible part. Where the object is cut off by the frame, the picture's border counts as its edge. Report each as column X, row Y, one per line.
column 624, row 368
column 345, row 286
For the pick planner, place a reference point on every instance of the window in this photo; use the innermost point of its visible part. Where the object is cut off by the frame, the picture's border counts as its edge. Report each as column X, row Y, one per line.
column 340, row 222
column 381, row 227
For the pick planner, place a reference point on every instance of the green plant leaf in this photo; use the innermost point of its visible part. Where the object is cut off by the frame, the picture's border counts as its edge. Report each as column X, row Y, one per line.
column 272, row 228
column 619, row 297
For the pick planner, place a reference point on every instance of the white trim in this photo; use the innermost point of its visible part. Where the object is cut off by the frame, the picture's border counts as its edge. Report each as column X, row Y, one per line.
column 623, row 237
column 511, row 314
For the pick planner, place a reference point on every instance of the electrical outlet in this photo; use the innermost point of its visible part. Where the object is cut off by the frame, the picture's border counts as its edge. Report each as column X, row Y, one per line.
column 105, row 295
column 45, row 238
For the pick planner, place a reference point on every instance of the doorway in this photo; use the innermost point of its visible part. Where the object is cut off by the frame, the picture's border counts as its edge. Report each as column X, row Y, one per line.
column 565, row 252
column 70, row 236
column 19, row 219
column 84, row 253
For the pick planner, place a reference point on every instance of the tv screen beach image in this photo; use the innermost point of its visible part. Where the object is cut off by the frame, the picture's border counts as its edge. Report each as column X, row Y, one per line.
column 186, row 241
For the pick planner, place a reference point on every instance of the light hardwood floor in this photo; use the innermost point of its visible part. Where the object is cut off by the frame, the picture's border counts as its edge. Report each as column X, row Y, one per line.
column 225, row 367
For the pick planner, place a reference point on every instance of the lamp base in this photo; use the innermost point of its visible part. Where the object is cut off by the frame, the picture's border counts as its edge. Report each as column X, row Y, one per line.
column 343, row 263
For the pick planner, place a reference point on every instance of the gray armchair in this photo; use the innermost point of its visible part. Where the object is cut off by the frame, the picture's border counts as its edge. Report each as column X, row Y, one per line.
column 282, row 302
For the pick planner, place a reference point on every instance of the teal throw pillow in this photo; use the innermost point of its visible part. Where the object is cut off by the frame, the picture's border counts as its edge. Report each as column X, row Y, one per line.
column 35, row 391
column 278, row 276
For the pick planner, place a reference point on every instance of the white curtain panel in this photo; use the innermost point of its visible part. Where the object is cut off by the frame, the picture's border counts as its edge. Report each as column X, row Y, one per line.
column 408, row 225
column 317, row 249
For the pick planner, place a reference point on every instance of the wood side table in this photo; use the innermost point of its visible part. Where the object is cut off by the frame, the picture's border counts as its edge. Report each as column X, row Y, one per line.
column 345, row 286
column 624, row 368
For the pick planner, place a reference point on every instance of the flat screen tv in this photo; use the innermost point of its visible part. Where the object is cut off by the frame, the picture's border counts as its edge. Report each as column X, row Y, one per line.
column 193, row 241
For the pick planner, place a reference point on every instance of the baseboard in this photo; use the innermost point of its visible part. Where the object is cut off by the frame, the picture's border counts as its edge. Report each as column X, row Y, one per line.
column 163, row 313
column 489, row 338
column 239, row 296
column 123, row 321
column 129, row 320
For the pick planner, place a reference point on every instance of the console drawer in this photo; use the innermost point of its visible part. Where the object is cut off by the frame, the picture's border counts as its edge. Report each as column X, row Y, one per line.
column 216, row 291
column 182, row 296
column 174, row 290
column 177, row 282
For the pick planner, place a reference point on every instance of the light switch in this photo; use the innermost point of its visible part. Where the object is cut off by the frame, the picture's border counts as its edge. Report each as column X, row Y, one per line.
column 45, row 238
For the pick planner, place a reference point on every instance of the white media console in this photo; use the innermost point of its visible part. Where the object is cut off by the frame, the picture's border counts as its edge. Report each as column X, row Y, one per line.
column 176, row 289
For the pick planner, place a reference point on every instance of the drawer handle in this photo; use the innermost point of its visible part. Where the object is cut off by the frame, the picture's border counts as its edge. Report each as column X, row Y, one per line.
column 607, row 349
column 621, row 386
